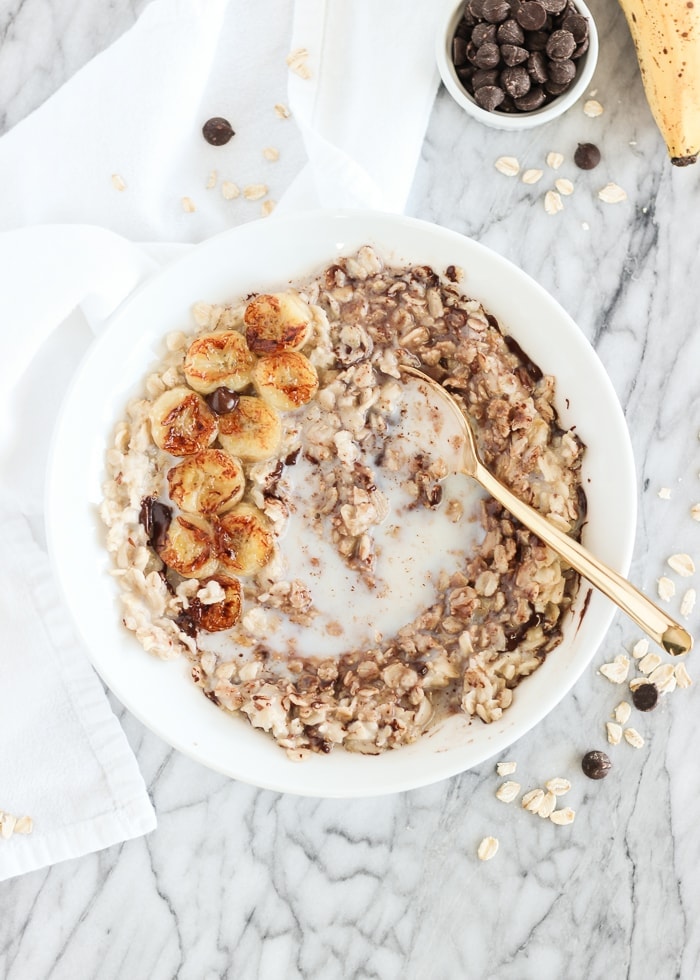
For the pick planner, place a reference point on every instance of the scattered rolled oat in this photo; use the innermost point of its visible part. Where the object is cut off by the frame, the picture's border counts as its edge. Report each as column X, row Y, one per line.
column 665, row 493
column 212, row 179
column 695, row 512
column 637, row 682
column 663, row 678
column 533, row 800
column 546, row 807
column 666, row 588
column 271, row 153
column 508, row 166
column 7, row 825
column 559, row 786
column 253, row 192
column 267, row 207
column 612, row 194
column 592, row 108
column 683, row 678
column 531, row 177
column 296, row 61
column 633, row 737
column 188, row 205
column 622, row 712
column 614, row 732
column 649, row 663
column 118, row 183
column 552, row 203
column 24, row 825
column 688, row 602
column 617, row 671
column 564, row 186
column 487, row 848
column 555, row 160
column 640, row 648
column 230, row 190
column 281, row 111
column 682, row 564
column 506, row 768
column 563, row 817
column 507, row 791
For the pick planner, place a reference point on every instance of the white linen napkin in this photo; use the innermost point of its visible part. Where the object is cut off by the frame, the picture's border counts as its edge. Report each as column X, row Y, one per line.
column 116, row 157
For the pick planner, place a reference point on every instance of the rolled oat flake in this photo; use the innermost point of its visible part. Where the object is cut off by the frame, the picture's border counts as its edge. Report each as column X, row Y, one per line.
column 645, row 696
column 596, row 765
column 217, row 131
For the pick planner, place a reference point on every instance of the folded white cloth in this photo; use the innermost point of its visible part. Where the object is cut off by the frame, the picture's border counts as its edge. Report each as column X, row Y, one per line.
column 115, row 157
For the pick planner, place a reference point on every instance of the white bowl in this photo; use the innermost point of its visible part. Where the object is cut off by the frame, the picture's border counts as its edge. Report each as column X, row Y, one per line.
column 502, row 120
column 261, row 256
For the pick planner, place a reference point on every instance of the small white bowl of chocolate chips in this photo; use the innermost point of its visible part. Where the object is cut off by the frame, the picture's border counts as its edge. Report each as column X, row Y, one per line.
column 516, row 64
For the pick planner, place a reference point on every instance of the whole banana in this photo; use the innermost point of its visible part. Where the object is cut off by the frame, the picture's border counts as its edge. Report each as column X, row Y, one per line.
column 666, row 34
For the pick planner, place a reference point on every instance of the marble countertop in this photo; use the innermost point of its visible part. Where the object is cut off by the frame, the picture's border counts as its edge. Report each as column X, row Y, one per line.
column 238, row 882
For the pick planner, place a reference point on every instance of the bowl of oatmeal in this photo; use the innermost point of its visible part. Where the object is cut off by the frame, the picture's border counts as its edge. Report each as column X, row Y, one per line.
column 272, row 559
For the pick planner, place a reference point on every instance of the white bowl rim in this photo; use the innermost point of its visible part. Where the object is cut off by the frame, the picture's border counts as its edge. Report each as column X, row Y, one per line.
column 73, row 524
column 515, row 121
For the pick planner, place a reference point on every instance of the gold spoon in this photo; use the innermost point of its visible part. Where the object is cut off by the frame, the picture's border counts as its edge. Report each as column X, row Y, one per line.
column 654, row 621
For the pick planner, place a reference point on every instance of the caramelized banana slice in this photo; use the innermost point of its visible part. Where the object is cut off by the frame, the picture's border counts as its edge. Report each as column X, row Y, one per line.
column 216, row 616
column 252, row 431
column 218, row 360
column 189, row 547
column 244, row 539
column 181, row 422
column 209, row 482
column 287, row 380
column 276, row 322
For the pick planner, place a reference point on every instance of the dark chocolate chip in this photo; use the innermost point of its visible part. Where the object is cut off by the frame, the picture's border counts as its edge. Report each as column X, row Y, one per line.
column 217, row 131
column 561, row 45
column 587, row 156
column 596, row 765
column 484, row 77
column 533, row 100
column 516, row 81
column 459, row 51
column 553, row 88
column 155, row 518
column 510, row 32
column 495, row 11
column 465, row 74
column 554, row 6
column 487, row 56
column 581, row 49
column 489, row 97
column 513, row 55
column 464, row 28
column 645, row 696
column 222, row 400
column 531, row 15
column 537, row 66
column 577, row 26
column 536, row 40
column 483, row 34
column 476, row 8
column 562, row 72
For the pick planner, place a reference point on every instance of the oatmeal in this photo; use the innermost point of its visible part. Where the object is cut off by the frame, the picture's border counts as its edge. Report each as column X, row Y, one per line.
column 284, row 510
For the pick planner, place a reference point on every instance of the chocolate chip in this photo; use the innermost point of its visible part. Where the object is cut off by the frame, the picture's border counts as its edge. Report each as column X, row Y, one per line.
column 510, row 32
column 217, row 131
column 487, row 56
column 484, row 77
column 587, row 156
column 484, row 34
column 155, row 518
column 489, row 97
column 645, row 696
column 476, row 9
column 562, row 72
column 495, row 11
column 513, row 55
column 536, row 40
column 516, row 81
column 459, row 51
column 561, row 45
column 554, row 6
column 531, row 15
column 537, row 66
column 596, row 765
column 222, row 400
column 554, row 88
column 581, row 49
column 577, row 26
column 533, row 100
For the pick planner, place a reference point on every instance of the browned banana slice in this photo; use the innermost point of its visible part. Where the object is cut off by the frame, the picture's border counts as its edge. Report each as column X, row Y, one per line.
column 181, row 422
column 276, row 322
column 245, row 541
column 287, row 380
column 189, row 547
column 222, row 615
column 252, row 431
column 218, row 360
column 209, row 482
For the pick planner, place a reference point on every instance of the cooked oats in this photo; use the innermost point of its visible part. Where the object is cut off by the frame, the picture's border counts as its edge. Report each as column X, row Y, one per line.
column 487, row 848
column 681, row 564
column 508, row 166
column 633, row 737
column 507, row 791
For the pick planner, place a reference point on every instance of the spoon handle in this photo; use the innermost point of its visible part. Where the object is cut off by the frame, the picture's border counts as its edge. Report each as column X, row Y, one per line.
column 654, row 621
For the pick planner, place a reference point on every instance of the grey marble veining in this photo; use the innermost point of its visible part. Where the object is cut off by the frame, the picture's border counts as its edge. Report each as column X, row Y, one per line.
column 243, row 883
